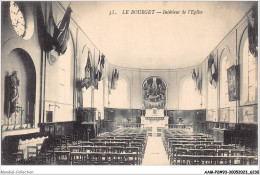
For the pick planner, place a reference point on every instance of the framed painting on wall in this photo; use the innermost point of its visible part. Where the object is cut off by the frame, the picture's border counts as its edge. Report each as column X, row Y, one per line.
column 49, row 115
column 233, row 82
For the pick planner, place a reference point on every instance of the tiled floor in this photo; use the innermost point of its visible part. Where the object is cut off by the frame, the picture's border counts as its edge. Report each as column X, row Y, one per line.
column 155, row 153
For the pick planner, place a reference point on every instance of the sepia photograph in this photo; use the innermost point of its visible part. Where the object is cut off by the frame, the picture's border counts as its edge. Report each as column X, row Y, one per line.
column 169, row 87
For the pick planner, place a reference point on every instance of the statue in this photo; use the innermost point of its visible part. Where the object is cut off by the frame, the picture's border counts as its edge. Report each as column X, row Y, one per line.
column 14, row 93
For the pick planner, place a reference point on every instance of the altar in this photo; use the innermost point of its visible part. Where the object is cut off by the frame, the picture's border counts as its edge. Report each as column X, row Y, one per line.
column 154, row 115
column 154, row 120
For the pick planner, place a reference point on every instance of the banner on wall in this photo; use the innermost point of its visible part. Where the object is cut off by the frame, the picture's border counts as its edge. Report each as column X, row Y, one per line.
column 253, row 32
column 61, row 32
column 93, row 74
column 114, row 79
column 100, row 66
column 87, row 81
column 45, row 37
column 52, row 36
column 197, row 77
column 212, row 70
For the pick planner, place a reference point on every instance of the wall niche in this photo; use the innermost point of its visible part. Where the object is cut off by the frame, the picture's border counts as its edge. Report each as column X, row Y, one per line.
column 19, row 108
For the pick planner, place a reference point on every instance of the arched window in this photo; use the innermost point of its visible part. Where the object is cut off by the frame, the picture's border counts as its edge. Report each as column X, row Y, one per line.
column 248, row 64
column 212, row 114
column 98, row 99
column 224, row 99
column 119, row 97
column 227, row 108
column 189, row 97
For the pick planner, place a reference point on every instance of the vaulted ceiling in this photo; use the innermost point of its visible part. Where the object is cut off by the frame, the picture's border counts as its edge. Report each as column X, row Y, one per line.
column 157, row 40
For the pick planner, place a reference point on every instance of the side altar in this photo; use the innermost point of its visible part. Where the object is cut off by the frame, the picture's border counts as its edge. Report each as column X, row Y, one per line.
column 154, row 120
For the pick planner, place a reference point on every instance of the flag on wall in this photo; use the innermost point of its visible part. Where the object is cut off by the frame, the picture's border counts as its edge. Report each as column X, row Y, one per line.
column 95, row 78
column 212, row 70
column 45, row 38
column 112, row 80
column 88, row 67
column 197, row 77
column 100, row 66
column 102, row 60
column 52, row 36
column 61, row 32
column 115, row 76
column 87, row 81
column 253, row 32
column 98, row 69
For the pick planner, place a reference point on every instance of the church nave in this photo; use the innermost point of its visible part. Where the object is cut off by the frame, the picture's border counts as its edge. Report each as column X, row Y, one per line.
column 129, row 85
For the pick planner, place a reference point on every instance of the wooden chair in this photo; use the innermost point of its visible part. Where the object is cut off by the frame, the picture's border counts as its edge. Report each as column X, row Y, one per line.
column 130, row 159
column 178, row 152
column 78, row 158
column 117, row 149
column 64, row 142
column 136, row 151
column 210, row 152
column 31, row 154
column 216, row 143
column 197, row 152
column 75, row 148
column 75, row 139
column 212, row 146
column 102, row 149
column 69, row 140
column 226, row 146
column 43, row 156
column 200, row 146
column 95, row 157
column 99, row 144
column 236, row 152
column 62, row 157
column 87, row 143
column 18, row 157
column 223, row 152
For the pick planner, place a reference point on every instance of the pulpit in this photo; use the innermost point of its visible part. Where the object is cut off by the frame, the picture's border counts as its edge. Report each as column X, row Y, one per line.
column 87, row 118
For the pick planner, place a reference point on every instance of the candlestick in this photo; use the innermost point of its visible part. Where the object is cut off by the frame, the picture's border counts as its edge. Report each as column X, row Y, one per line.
column 28, row 106
column 21, row 126
column 15, row 114
column 8, row 115
column 33, row 116
column 27, row 121
column 27, row 114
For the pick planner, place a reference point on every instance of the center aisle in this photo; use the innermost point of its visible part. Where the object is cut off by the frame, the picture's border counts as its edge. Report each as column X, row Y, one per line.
column 155, row 153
